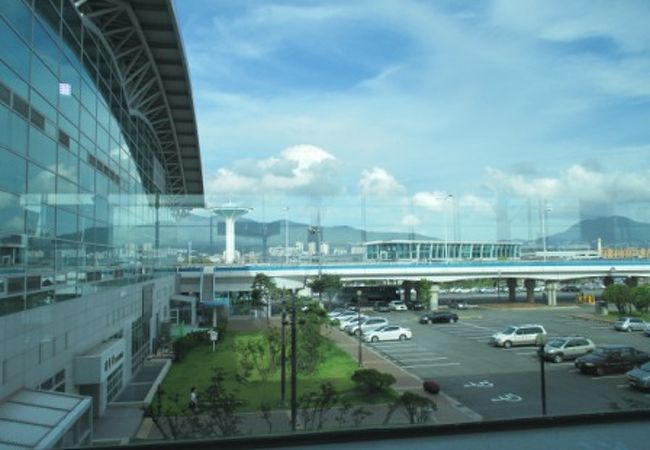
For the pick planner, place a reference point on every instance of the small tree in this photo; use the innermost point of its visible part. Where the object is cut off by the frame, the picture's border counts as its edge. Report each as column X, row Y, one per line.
column 328, row 284
column 641, row 298
column 619, row 294
column 371, row 381
column 416, row 408
column 424, row 290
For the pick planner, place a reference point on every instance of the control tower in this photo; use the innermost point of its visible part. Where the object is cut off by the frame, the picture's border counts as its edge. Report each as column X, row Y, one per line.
column 231, row 212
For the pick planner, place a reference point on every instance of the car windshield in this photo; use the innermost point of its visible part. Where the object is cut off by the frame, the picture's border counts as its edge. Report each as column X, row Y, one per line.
column 556, row 343
column 187, row 186
column 599, row 351
column 645, row 367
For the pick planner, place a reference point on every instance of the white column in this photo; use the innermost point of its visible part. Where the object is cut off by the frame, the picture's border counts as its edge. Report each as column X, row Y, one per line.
column 434, row 297
column 230, row 240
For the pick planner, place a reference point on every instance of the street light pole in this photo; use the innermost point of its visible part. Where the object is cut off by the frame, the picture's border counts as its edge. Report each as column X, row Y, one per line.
column 283, row 354
column 286, row 235
column 294, row 365
column 544, row 230
column 360, row 357
column 449, row 196
column 541, row 341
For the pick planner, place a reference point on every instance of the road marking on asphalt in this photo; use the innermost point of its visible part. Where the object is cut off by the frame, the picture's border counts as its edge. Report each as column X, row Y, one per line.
column 621, row 386
column 607, row 377
column 431, row 365
column 480, row 338
column 491, row 330
column 409, row 360
column 526, row 353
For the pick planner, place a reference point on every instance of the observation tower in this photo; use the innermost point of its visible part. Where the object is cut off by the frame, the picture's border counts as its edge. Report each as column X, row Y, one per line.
column 231, row 212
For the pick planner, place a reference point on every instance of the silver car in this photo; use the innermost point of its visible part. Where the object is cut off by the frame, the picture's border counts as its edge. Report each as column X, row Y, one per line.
column 561, row 348
column 629, row 324
column 639, row 377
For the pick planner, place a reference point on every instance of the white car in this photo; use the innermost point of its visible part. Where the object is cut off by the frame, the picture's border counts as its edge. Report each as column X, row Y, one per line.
column 388, row 333
column 350, row 321
column 370, row 324
column 397, row 305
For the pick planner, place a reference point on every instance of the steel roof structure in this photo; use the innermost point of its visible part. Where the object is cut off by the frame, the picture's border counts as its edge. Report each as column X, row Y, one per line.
column 146, row 47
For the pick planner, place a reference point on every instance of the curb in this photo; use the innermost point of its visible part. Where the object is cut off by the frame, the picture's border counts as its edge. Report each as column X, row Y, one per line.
column 591, row 318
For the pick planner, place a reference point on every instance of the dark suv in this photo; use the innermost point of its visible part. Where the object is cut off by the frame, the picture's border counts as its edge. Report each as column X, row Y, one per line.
column 611, row 358
column 414, row 305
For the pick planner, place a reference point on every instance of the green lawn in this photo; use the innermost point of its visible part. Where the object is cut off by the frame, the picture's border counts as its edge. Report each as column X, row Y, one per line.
column 197, row 368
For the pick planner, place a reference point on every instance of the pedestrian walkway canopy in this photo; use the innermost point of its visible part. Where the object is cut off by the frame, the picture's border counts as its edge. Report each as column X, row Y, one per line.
column 45, row 419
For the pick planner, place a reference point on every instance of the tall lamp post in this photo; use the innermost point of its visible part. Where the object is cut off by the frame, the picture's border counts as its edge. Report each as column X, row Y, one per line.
column 544, row 230
column 283, row 353
column 447, row 198
column 359, row 325
column 541, row 341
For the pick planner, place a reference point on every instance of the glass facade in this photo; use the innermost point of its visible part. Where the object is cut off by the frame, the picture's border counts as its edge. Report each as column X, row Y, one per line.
column 423, row 251
column 79, row 175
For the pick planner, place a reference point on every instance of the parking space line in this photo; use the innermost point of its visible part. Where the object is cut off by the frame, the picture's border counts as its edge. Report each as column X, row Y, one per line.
column 608, row 377
column 432, row 365
column 408, row 361
column 526, row 353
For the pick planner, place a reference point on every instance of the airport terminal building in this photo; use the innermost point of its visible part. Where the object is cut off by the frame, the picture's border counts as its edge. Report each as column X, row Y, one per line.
column 98, row 141
column 424, row 251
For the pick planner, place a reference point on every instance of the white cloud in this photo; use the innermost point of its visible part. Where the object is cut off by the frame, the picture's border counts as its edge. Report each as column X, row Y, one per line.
column 303, row 170
column 379, row 183
column 410, row 220
column 475, row 203
column 434, row 201
column 578, row 182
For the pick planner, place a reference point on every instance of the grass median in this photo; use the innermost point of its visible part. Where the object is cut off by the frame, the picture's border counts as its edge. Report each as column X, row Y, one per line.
column 197, row 368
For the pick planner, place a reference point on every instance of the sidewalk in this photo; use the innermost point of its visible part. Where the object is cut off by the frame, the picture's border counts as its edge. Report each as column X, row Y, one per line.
column 449, row 410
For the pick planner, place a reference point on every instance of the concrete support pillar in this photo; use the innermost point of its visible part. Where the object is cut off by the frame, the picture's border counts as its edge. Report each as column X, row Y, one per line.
column 434, row 297
column 551, row 293
column 193, row 311
column 530, row 290
column 214, row 317
column 406, row 286
column 512, row 286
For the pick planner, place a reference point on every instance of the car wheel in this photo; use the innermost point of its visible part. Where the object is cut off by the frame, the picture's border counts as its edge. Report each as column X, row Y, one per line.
column 430, row 321
column 402, row 337
column 507, row 344
column 600, row 371
column 357, row 332
column 557, row 358
column 375, row 339
column 452, row 320
column 629, row 329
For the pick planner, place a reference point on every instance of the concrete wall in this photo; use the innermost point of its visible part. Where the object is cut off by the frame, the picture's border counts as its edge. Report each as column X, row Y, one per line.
column 38, row 343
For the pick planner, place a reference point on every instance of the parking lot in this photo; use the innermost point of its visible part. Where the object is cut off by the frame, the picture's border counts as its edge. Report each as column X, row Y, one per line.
column 500, row 383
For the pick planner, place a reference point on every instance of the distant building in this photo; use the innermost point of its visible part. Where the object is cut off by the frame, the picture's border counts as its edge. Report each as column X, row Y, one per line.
column 405, row 250
column 625, row 253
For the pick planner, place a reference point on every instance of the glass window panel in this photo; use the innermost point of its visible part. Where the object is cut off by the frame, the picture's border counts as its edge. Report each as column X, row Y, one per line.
column 86, row 176
column 45, row 46
column 19, row 16
column 45, row 81
column 14, row 51
column 88, row 124
column 45, row 108
column 12, row 214
column 67, row 166
column 13, row 81
column 42, row 149
column 66, row 225
column 13, row 172
column 40, row 181
column 40, row 254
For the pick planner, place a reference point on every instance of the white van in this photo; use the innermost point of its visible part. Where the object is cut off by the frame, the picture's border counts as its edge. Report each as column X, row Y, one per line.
column 526, row 334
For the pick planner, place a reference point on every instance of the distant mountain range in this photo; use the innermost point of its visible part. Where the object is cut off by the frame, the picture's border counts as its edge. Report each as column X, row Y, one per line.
column 615, row 231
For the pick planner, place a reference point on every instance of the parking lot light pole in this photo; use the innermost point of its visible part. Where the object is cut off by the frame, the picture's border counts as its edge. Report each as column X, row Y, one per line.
column 359, row 325
column 294, row 365
column 541, row 340
column 283, row 354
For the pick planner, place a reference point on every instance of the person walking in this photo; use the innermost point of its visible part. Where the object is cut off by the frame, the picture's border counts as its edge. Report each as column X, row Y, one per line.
column 194, row 401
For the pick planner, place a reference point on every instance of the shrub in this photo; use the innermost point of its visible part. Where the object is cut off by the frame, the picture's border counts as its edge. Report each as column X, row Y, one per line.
column 373, row 381
column 183, row 345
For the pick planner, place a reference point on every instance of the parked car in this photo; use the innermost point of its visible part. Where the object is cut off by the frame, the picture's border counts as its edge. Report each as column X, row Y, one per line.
column 397, row 305
column 646, row 331
column 337, row 312
column 639, row 377
column 414, row 305
column 370, row 324
column 350, row 321
column 561, row 348
column 526, row 334
column 381, row 307
column 458, row 304
column 439, row 317
column 611, row 359
column 629, row 324
column 388, row 333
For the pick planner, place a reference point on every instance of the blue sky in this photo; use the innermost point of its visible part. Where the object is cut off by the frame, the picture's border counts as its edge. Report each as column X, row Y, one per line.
column 506, row 105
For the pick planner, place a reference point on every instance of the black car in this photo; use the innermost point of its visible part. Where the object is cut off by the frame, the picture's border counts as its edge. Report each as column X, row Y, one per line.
column 439, row 317
column 458, row 304
column 611, row 358
column 414, row 305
